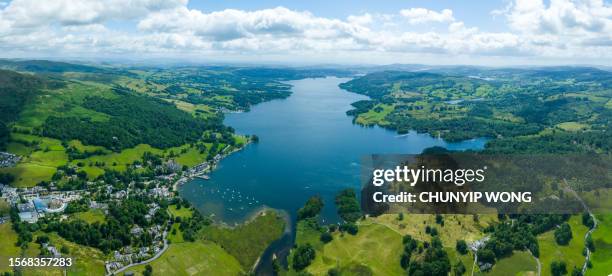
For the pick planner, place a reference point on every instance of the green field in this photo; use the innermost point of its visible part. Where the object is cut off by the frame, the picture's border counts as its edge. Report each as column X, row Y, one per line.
column 4, row 208
column 572, row 126
column 520, row 263
column 7, row 245
column 38, row 162
column 375, row 246
column 572, row 253
column 602, row 236
column 194, row 258
column 90, row 216
column 455, row 226
column 28, row 175
column 183, row 212
column 247, row 241
column 373, row 117
column 467, row 259
column 63, row 102
column 88, row 260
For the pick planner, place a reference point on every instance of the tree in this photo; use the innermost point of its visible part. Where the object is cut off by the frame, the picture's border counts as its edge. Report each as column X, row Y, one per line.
column 348, row 206
column 349, row 227
column 459, row 268
column 276, row 266
column 42, row 239
column 589, row 243
column 304, row 254
column 461, row 247
column 576, row 272
column 587, row 220
column 148, row 270
column 563, row 234
column 405, row 260
column 558, row 268
column 326, row 237
column 486, row 256
column 333, row 272
column 311, row 209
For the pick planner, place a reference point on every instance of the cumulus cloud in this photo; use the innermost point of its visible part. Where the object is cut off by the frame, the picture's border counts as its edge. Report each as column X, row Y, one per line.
column 568, row 29
column 32, row 13
column 420, row 15
column 560, row 16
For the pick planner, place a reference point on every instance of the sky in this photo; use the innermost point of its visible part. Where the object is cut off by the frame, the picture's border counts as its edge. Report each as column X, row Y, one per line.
column 491, row 32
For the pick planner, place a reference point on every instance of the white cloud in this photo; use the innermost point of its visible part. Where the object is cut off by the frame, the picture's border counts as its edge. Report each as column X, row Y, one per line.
column 563, row 29
column 363, row 19
column 420, row 15
column 561, row 17
column 33, row 13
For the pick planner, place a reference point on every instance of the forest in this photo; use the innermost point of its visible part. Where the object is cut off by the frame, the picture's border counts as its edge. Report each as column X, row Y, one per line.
column 133, row 120
column 525, row 110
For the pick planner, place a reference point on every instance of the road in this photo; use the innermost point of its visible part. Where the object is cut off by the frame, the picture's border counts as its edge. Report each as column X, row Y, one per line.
column 588, row 251
column 145, row 261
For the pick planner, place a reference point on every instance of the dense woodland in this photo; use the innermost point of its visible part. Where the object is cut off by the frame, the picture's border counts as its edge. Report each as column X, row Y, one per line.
column 559, row 109
column 134, row 120
column 16, row 90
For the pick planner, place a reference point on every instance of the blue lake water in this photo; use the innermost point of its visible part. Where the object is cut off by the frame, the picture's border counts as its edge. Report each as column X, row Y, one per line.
column 308, row 146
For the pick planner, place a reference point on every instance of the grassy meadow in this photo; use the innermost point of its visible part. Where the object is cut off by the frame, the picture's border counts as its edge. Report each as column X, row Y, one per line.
column 572, row 253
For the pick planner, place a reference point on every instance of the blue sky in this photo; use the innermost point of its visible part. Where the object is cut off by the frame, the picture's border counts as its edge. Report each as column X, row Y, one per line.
column 473, row 12
column 492, row 33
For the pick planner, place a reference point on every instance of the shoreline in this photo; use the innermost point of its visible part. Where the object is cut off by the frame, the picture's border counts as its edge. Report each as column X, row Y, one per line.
column 194, row 172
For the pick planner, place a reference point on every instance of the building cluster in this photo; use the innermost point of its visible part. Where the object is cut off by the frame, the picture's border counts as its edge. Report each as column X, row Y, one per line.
column 8, row 159
column 33, row 203
column 129, row 255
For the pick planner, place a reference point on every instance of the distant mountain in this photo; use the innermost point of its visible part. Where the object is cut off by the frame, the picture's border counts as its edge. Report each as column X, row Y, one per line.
column 46, row 66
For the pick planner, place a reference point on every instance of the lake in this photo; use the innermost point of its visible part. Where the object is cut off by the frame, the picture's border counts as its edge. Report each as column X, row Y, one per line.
column 307, row 146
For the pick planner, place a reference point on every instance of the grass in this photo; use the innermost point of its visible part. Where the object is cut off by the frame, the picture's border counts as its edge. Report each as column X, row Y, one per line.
column 247, row 241
column 90, row 216
column 383, row 235
column 38, row 162
column 602, row 236
column 375, row 248
column 126, row 157
column 63, row 102
column 467, row 259
column 599, row 200
column 306, row 233
column 88, row 260
column 572, row 126
column 183, row 212
column 520, row 263
column 192, row 157
column 455, row 226
column 177, row 236
column 372, row 117
column 79, row 146
column 7, row 246
column 5, row 208
column 194, row 258
column 572, row 253
column 609, row 104
column 120, row 159
column 28, row 175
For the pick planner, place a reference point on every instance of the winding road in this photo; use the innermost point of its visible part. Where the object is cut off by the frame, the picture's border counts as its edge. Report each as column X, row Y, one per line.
column 588, row 251
column 145, row 261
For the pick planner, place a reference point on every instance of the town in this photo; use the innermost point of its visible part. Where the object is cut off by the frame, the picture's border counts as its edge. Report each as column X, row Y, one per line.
column 50, row 203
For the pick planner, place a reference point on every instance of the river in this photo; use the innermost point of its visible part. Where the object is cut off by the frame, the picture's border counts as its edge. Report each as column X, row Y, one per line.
column 308, row 146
